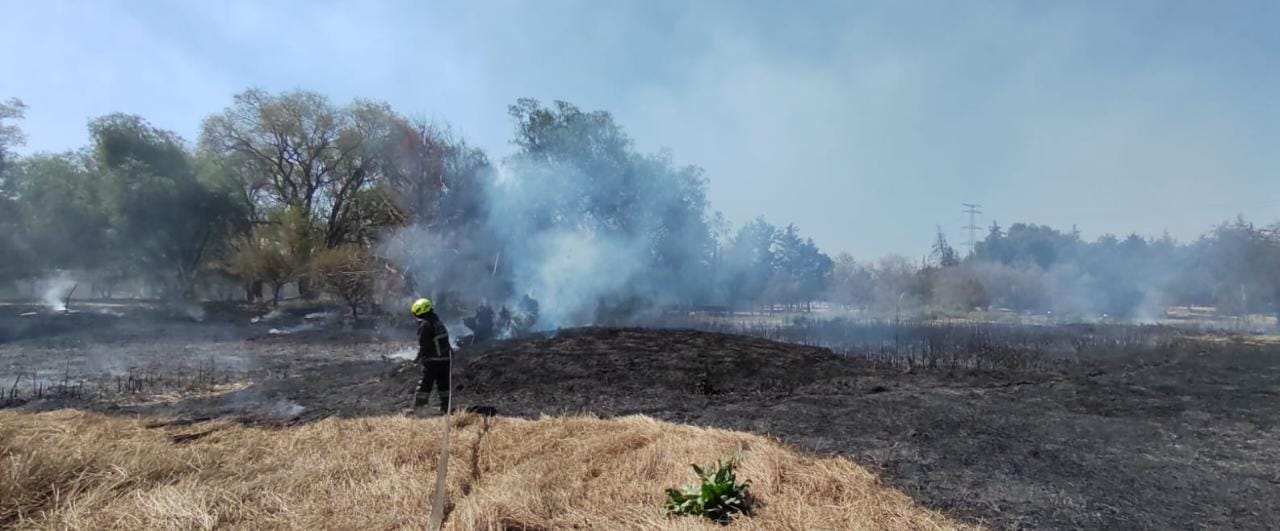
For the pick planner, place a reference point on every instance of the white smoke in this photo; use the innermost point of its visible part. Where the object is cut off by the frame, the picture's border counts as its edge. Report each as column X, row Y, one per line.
column 270, row 316
column 563, row 260
column 56, row 290
column 195, row 312
column 291, row 329
column 570, row 271
column 407, row 354
column 591, row 230
column 282, row 409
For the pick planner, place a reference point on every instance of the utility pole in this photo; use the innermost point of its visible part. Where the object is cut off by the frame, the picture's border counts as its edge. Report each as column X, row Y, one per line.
column 972, row 210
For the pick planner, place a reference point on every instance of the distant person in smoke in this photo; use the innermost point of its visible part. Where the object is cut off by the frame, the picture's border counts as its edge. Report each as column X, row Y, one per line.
column 481, row 324
column 434, row 353
column 506, row 322
column 529, row 306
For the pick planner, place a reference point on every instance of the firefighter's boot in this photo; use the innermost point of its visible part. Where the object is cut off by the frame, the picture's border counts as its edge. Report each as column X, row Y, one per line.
column 421, row 399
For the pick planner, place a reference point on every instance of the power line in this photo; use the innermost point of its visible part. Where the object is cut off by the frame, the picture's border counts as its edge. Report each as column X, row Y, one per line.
column 972, row 210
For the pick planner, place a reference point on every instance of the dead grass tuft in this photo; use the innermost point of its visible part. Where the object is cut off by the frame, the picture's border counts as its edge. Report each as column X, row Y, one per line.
column 72, row 469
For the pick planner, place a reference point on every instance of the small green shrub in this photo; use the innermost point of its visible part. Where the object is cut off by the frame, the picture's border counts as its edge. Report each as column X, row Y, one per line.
column 718, row 495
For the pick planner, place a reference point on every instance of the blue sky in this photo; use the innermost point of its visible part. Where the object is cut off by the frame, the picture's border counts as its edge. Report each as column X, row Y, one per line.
column 867, row 124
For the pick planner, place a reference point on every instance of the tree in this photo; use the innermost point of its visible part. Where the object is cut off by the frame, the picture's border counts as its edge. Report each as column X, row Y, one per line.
column 943, row 252
column 432, row 178
column 297, row 150
column 346, row 271
column 960, row 288
column 851, row 282
column 164, row 222
column 12, row 246
column 801, row 270
column 1027, row 242
column 992, row 248
column 10, row 134
column 678, row 227
column 578, row 177
column 275, row 252
column 61, row 214
column 815, row 273
column 1242, row 260
column 749, row 262
column 585, row 162
column 896, row 279
column 436, row 185
column 1021, row 287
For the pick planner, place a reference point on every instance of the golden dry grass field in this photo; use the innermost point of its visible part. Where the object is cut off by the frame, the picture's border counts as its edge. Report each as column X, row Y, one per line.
column 80, row 470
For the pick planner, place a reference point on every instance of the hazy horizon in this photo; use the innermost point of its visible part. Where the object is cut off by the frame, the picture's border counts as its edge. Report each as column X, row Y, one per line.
column 866, row 125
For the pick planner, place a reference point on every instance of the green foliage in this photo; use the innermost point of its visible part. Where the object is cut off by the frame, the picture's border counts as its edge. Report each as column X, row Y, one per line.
column 717, row 495
column 163, row 219
column 765, row 264
column 749, row 262
column 298, row 150
column 10, row 134
column 17, row 256
column 279, row 178
column 802, row 269
column 580, row 171
column 61, row 213
column 1036, row 268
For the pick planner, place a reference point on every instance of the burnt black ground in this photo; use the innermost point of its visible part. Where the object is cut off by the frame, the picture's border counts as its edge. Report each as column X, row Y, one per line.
column 1183, row 441
column 1173, row 440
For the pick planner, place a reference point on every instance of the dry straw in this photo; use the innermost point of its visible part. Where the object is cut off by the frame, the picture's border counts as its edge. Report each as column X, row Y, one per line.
column 72, row 469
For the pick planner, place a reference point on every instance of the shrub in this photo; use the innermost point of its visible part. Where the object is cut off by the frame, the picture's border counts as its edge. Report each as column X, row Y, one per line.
column 346, row 271
column 718, row 495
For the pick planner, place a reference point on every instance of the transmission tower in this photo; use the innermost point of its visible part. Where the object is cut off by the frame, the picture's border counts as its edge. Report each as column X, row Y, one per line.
column 972, row 210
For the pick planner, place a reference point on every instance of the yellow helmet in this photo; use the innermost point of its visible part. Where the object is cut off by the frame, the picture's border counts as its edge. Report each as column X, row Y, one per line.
column 421, row 307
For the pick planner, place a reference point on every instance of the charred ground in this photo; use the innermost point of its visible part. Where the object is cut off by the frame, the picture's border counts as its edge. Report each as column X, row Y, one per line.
column 1182, row 436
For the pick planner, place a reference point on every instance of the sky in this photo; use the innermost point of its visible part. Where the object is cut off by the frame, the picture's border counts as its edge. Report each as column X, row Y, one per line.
column 867, row 124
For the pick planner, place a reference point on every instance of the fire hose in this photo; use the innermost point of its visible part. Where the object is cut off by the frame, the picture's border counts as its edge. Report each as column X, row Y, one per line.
column 442, row 467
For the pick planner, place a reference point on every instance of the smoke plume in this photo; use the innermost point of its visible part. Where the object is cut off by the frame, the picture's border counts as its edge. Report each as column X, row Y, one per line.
column 56, row 290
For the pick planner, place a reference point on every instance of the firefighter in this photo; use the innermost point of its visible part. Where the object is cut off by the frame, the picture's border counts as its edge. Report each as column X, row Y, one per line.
column 530, row 308
column 482, row 324
column 434, row 353
column 506, row 322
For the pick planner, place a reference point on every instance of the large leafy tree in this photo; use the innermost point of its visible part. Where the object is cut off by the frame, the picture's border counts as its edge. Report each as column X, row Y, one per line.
column 10, row 134
column 801, row 269
column 581, row 172
column 12, row 247
column 62, row 221
column 432, row 178
column 1242, row 261
column 591, row 156
column 163, row 220
column 300, row 151
column 749, row 263
column 435, row 183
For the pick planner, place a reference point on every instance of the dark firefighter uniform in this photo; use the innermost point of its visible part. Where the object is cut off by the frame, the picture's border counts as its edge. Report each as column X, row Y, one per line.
column 434, row 353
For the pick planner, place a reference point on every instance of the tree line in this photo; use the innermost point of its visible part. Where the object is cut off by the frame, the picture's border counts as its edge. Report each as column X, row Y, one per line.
column 358, row 202
column 1234, row 267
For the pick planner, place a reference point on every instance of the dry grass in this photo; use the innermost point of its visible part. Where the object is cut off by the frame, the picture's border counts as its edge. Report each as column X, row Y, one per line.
column 71, row 469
